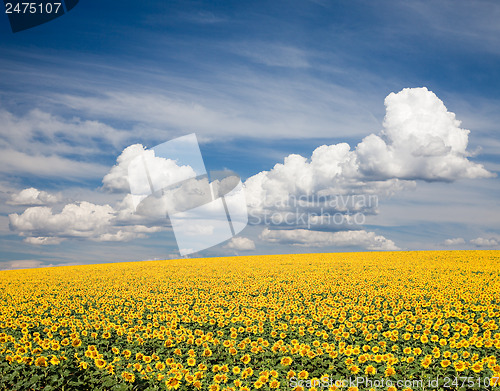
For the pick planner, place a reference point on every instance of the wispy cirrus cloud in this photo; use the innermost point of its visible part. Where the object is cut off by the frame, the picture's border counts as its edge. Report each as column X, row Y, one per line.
column 272, row 54
column 460, row 21
column 41, row 144
column 19, row 163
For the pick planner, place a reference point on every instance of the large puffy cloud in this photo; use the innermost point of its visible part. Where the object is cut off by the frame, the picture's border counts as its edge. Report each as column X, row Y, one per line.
column 330, row 167
column 241, row 243
column 421, row 139
column 77, row 220
column 329, row 191
column 309, row 238
column 32, row 196
column 160, row 170
column 81, row 220
column 484, row 242
column 127, row 219
column 454, row 241
column 330, row 180
column 116, row 180
column 43, row 240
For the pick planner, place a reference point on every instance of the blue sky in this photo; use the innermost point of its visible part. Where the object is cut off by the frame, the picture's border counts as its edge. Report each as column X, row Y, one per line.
column 257, row 82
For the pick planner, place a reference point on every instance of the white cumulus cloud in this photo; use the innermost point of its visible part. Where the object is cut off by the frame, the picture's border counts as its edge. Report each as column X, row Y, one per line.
column 40, row 225
column 32, row 196
column 161, row 171
column 454, row 241
column 484, row 242
column 421, row 140
column 309, row 238
column 79, row 220
column 43, row 240
column 241, row 243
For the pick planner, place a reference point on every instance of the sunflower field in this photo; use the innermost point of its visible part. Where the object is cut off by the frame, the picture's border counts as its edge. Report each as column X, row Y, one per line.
column 349, row 321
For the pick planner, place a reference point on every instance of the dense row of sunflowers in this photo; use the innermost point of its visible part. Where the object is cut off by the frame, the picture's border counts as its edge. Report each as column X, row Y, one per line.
column 244, row 323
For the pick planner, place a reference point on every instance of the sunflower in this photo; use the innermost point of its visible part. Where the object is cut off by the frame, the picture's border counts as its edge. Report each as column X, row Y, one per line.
column 172, row 383
column 111, row 369
column 100, row 363
column 303, row 374
column 245, row 359
column 354, row 369
column 137, row 366
column 445, row 363
column 477, row 367
column 28, row 360
column 76, row 342
column 460, row 366
column 426, row 362
column 41, row 361
column 370, row 370
column 129, row 377
column 54, row 360
column 286, row 361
